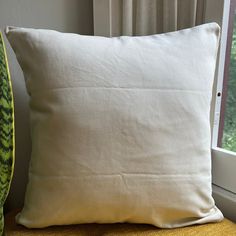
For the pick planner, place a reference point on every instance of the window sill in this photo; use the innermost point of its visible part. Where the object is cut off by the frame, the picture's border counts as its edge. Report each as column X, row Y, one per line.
column 225, row 201
column 223, row 169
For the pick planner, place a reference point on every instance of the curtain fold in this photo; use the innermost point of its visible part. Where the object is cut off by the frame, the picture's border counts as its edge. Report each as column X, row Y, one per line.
column 145, row 17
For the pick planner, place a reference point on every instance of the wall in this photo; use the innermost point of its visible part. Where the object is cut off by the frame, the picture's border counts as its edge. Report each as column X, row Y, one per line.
column 63, row 15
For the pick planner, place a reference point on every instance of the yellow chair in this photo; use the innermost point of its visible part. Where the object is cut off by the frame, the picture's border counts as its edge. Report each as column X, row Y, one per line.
column 224, row 228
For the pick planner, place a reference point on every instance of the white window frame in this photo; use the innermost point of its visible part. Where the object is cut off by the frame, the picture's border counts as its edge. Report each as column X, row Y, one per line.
column 223, row 161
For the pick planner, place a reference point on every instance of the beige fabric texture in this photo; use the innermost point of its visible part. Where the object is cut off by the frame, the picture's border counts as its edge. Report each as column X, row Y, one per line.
column 120, row 127
column 223, row 228
column 138, row 17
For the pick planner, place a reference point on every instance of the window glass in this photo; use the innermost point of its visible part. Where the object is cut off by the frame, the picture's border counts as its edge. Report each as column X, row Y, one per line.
column 229, row 126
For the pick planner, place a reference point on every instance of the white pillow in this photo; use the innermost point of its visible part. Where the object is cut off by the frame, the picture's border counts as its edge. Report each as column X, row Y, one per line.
column 120, row 127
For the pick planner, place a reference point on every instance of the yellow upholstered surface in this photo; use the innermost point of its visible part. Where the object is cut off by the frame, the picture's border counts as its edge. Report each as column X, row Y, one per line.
column 224, row 228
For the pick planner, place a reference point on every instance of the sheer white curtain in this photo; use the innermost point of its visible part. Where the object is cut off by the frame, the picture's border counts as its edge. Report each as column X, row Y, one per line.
column 143, row 17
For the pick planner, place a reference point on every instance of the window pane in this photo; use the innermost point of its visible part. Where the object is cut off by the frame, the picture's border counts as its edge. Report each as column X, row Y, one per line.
column 229, row 132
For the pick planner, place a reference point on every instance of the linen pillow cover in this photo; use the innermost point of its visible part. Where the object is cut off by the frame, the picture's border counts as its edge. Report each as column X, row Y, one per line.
column 6, row 131
column 120, row 127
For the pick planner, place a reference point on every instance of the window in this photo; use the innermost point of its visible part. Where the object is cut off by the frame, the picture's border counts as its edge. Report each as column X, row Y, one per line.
column 227, row 126
column 224, row 131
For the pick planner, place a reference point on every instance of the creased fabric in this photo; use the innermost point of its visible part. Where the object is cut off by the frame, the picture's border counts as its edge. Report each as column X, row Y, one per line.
column 139, row 17
column 120, row 127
